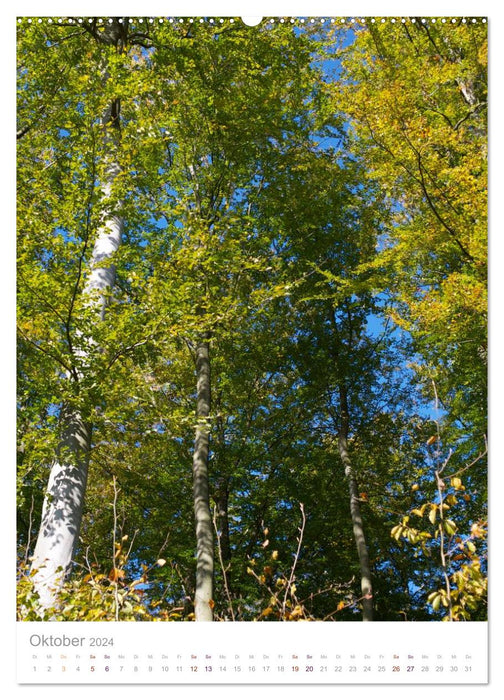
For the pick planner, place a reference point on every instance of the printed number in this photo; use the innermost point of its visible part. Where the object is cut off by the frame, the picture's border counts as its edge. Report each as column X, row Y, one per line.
column 101, row 642
column 409, row 668
column 439, row 668
column 338, row 669
column 194, row 669
column 425, row 669
column 453, row 669
column 309, row 669
column 295, row 668
column 352, row 669
column 381, row 669
column 396, row 668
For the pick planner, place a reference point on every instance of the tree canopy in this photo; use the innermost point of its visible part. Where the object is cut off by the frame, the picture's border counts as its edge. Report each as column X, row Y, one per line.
column 251, row 320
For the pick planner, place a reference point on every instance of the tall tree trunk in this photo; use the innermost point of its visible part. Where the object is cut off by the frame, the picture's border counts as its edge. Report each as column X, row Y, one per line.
column 102, row 272
column 64, row 499
column 203, row 602
column 355, row 511
column 62, row 509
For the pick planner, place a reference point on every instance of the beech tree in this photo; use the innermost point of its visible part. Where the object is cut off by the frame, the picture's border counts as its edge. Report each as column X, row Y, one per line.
column 430, row 158
column 82, row 134
column 251, row 320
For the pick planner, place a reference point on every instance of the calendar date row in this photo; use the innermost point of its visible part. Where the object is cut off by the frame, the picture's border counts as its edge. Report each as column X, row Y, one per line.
column 306, row 668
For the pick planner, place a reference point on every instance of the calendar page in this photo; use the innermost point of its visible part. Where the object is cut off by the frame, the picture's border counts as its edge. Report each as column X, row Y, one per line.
column 252, row 348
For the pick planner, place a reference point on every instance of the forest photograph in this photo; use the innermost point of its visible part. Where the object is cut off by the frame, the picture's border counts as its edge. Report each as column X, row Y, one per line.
column 251, row 319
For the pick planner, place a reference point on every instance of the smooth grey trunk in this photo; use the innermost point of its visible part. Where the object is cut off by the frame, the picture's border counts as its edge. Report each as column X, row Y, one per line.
column 102, row 272
column 355, row 511
column 204, row 528
column 62, row 509
column 64, row 499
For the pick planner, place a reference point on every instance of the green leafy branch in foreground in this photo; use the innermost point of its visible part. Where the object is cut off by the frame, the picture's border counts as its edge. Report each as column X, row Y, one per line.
column 462, row 556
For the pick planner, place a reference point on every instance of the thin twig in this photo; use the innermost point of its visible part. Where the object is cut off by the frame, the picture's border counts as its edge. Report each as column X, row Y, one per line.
column 468, row 466
column 223, row 568
column 296, row 558
column 350, row 604
column 28, row 542
column 440, row 485
column 116, row 592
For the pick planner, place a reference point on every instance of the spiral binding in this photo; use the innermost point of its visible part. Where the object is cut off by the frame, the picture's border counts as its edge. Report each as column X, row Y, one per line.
column 266, row 21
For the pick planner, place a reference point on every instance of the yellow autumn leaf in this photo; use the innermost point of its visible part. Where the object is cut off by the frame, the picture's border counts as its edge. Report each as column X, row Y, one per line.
column 115, row 574
column 456, row 482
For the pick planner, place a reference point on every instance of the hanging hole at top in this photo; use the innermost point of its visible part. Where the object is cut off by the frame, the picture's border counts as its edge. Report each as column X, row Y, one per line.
column 251, row 21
